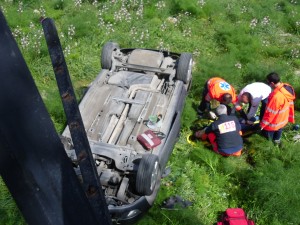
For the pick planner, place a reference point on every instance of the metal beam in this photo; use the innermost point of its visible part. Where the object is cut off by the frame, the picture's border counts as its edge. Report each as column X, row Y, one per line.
column 33, row 162
column 86, row 162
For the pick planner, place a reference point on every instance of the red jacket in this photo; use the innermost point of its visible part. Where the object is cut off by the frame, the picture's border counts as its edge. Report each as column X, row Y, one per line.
column 280, row 108
column 217, row 87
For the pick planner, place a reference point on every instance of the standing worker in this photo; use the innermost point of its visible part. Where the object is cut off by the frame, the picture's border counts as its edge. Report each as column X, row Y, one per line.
column 218, row 89
column 254, row 94
column 224, row 133
column 279, row 110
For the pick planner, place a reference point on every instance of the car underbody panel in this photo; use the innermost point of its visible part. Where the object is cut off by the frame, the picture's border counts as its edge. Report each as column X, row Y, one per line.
column 116, row 108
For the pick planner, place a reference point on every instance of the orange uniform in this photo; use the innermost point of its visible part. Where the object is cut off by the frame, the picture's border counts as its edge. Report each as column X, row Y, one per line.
column 280, row 108
column 217, row 87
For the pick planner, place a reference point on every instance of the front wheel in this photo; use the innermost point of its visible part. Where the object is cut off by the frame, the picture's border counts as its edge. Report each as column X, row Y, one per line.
column 147, row 174
column 184, row 68
column 106, row 54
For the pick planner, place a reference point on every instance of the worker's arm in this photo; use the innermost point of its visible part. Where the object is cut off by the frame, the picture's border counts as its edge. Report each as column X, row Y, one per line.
column 238, row 107
column 254, row 107
column 208, row 97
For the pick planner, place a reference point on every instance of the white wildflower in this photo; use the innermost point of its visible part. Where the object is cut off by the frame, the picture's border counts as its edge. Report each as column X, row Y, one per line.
column 77, row 3
column 172, row 20
column 238, row 65
column 265, row 21
column 20, row 7
column 160, row 5
column 295, row 53
column 253, row 23
column 201, row 3
column 244, row 9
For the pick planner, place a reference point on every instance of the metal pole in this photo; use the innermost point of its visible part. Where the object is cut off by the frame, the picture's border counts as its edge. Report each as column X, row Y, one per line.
column 80, row 141
column 33, row 162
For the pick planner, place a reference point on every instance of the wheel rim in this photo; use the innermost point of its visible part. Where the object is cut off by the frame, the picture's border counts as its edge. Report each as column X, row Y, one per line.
column 154, row 176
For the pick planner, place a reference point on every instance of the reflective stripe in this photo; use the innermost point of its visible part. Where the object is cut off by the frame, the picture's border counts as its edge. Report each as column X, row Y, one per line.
column 265, row 122
column 271, row 110
column 283, row 110
column 277, row 111
column 273, row 124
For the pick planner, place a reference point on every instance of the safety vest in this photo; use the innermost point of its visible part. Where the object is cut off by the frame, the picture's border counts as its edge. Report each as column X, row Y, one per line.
column 217, row 87
column 280, row 108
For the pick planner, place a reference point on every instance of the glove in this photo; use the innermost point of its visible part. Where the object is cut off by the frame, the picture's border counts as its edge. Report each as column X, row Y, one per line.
column 212, row 115
column 238, row 107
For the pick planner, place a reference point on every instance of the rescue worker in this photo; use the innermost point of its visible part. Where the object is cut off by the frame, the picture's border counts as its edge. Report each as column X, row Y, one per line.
column 279, row 110
column 223, row 134
column 254, row 94
column 218, row 89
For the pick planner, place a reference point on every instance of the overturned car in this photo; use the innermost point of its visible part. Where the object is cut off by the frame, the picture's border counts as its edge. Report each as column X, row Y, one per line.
column 131, row 113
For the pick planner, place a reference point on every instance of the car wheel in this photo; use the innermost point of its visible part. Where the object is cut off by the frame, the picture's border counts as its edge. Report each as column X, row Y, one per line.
column 106, row 54
column 147, row 174
column 184, row 67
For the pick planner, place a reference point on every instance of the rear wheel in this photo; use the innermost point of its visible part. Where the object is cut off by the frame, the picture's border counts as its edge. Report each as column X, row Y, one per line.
column 106, row 54
column 147, row 174
column 184, row 68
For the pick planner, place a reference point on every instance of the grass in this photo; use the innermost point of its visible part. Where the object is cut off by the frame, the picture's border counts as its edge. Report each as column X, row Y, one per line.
column 241, row 41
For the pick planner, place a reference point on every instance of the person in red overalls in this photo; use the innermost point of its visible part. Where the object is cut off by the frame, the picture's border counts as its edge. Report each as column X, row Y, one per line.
column 218, row 89
column 279, row 110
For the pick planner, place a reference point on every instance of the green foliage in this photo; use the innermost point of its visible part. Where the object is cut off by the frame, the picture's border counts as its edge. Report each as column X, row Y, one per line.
column 186, row 6
column 276, row 192
column 9, row 213
column 59, row 5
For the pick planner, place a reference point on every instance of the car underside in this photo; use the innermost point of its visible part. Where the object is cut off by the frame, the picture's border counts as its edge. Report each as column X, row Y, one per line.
column 133, row 86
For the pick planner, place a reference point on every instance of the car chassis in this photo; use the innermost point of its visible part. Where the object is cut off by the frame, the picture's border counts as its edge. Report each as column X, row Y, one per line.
column 134, row 85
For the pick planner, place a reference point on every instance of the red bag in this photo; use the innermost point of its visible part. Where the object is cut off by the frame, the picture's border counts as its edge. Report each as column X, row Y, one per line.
column 235, row 216
column 148, row 139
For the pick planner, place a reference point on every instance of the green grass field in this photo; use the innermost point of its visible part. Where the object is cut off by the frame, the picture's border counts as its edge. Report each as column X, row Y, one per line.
column 239, row 40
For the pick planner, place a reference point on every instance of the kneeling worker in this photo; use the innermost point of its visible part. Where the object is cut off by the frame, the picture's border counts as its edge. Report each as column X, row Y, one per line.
column 218, row 89
column 254, row 94
column 224, row 133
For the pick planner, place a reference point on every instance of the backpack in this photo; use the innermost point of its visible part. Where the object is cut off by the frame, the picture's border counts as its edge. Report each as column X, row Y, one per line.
column 235, row 216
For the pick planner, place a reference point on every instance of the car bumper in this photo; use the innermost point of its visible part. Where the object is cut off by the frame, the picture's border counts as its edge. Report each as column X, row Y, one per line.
column 128, row 214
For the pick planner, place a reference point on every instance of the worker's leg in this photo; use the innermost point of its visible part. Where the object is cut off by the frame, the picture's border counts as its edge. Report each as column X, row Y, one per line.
column 212, row 139
column 268, row 134
column 277, row 136
column 204, row 105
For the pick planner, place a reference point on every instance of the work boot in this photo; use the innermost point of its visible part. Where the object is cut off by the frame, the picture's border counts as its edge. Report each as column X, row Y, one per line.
column 212, row 115
column 278, row 143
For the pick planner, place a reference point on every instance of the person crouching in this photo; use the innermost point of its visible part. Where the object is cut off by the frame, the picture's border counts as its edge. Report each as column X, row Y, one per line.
column 224, row 134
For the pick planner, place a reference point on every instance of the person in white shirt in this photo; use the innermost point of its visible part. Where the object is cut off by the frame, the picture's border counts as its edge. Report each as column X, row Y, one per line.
column 254, row 94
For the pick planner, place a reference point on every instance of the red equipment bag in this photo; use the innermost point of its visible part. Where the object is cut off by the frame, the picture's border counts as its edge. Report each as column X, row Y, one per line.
column 235, row 216
column 149, row 139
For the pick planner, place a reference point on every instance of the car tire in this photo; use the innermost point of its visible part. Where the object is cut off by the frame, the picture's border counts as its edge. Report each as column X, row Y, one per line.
column 147, row 174
column 106, row 54
column 184, row 68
